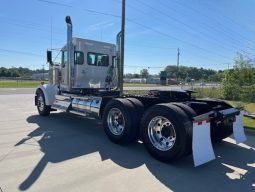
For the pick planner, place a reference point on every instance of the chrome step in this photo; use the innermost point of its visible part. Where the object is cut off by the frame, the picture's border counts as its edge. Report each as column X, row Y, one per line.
column 78, row 113
column 62, row 98
column 61, row 103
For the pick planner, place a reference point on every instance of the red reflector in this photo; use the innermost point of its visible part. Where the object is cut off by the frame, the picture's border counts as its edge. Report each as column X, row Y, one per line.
column 200, row 123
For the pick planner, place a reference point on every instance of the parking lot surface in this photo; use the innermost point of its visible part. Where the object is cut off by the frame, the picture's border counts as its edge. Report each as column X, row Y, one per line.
column 65, row 152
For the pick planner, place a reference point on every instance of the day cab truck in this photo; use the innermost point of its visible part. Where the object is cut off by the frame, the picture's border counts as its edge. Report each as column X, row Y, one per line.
column 171, row 124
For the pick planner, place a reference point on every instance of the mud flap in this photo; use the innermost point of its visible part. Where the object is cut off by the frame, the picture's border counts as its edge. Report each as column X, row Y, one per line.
column 201, row 143
column 238, row 129
column 201, row 140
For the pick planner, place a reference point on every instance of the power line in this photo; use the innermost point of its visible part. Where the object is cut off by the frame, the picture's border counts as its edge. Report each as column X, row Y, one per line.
column 160, row 12
column 149, row 29
column 184, row 24
column 139, row 24
column 210, row 18
column 141, row 11
column 136, row 66
column 84, row 9
column 177, row 39
column 149, row 46
column 21, row 52
column 62, row 41
column 228, row 18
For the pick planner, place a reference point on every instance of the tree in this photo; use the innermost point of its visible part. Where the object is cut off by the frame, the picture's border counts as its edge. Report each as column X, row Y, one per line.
column 190, row 73
column 239, row 81
column 19, row 72
column 144, row 73
column 136, row 76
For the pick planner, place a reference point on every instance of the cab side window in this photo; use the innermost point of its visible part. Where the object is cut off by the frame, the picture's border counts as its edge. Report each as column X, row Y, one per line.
column 78, row 57
column 91, row 59
column 103, row 60
column 98, row 59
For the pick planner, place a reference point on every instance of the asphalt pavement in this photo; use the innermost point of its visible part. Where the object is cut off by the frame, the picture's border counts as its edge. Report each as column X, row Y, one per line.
column 65, row 152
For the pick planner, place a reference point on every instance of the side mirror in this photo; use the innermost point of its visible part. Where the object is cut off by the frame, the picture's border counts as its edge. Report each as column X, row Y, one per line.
column 49, row 57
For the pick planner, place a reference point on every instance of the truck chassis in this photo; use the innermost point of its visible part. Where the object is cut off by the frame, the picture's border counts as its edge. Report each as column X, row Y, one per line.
column 162, row 120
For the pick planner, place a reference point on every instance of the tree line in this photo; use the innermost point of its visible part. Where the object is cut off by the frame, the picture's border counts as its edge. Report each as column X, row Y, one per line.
column 183, row 73
column 19, row 72
column 186, row 74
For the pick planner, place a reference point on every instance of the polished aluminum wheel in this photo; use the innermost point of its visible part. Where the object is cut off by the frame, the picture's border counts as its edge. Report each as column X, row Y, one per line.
column 161, row 133
column 40, row 103
column 116, row 121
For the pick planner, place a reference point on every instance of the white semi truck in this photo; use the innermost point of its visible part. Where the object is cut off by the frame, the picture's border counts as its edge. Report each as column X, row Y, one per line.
column 171, row 124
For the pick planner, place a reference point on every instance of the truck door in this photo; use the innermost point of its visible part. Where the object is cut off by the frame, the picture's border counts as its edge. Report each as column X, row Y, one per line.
column 97, row 69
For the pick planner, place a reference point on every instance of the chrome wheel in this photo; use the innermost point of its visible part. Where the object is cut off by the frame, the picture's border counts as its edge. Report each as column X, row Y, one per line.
column 115, row 121
column 161, row 133
column 40, row 103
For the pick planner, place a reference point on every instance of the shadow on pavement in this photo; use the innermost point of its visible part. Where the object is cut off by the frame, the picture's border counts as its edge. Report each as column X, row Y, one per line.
column 65, row 136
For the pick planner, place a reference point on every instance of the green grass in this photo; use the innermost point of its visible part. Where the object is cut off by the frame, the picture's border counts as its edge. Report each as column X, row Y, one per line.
column 139, row 85
column 250, row 107
column 208, row 93
column 18, row 83
column 136, row 92
column 249, row 123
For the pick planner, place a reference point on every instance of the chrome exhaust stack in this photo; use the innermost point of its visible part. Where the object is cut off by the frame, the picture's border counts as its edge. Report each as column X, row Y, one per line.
column 70, row 50
column 118, row 55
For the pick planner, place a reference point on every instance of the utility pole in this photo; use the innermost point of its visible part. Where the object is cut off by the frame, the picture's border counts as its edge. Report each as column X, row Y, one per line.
column 178, row 60
column 122, row 45
column 51, row 33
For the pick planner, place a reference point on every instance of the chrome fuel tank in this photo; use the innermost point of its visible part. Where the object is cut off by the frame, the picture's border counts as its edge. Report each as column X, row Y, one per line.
column 88, row 105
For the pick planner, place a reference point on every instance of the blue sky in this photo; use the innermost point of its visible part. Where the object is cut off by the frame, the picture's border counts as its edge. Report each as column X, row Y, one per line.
column 208, row 33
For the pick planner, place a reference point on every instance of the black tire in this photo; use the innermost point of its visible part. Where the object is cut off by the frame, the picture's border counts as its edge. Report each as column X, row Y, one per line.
column 191, row 114
column 187, row 109
column 138, row 105
column 140, row 110
column 126, row 113
column 43, row 109
column 181, row 124
column 220, row 132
